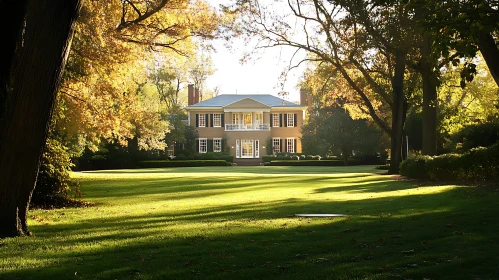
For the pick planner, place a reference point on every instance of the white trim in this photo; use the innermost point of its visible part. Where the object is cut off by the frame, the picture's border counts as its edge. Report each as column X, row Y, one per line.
column 280, row 109
column 256, row 148
column 238, row 151
column 246, row 110
column 292, row 144
column 245, row 99
column 204, row 120
column 206, row 145
column 279, row 140
column 288, row 120
column 278, row 119
column 215, row 139
column 251, row 151
column 218, row 108
column 220, row 115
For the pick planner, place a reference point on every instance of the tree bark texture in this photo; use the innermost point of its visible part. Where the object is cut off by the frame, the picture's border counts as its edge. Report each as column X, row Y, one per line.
column 11, row 14
column 490, row 52
column 397, row 112
column 430, row 101
column 35, row 78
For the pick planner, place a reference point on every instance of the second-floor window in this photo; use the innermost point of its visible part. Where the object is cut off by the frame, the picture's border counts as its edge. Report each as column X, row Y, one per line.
column 291, row 120
column 276, row 145
column 275, row 120
column 217, row 145
column 235, row 118
column 203, row 145
column 202, row 120
column 217, row 120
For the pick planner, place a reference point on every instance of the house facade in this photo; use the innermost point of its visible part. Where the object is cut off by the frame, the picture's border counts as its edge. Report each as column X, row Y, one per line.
column 248, row 126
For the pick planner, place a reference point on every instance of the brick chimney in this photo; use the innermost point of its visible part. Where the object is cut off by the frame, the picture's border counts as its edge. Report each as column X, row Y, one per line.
column 196, row 95
column 309, row 101
column 303, row 96
column 190, row 95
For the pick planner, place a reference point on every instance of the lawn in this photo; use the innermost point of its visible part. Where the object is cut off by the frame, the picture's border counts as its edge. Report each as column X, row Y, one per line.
column 239, row 223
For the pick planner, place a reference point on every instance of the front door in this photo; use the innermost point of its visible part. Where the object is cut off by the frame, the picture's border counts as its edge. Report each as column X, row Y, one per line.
column 247, row 148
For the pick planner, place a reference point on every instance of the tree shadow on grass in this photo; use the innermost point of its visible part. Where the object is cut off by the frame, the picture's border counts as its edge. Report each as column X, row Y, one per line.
column 446, row 235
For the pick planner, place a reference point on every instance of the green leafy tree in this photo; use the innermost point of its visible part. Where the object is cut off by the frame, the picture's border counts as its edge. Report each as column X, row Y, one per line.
column 338, row 134
column 39, row 38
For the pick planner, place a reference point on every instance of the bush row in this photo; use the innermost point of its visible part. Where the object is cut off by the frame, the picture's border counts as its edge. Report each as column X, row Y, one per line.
column 181, row 163
column 479, row 164
column 312, row 162
column 206, row 156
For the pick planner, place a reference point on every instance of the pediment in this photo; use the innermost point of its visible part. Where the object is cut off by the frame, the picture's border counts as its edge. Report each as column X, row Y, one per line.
column 247, row 103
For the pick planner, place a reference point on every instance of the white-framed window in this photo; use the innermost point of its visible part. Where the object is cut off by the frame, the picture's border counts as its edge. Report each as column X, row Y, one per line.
column 291, row 120
column 290, row 145
column 247, row 148
column 202, row 120
column 217, row 120
column 238, row 150
column 248, row 120
column 275, row 120
column 276, row 145
column 235, row 118
column 217, row 145
column 257, row 148
column 203, row 145
column 258, row 118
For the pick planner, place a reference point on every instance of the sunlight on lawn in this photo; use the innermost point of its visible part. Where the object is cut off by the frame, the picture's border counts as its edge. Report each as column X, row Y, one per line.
column 233, row 220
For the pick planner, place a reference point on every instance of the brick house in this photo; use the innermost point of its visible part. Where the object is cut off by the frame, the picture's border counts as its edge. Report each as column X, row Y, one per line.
column 247, row 125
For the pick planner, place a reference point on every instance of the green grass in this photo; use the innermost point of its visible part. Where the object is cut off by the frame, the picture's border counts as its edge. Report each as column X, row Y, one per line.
column 238, row 223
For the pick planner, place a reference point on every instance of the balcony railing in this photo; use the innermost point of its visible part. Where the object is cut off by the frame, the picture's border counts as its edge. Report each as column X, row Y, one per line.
column 235, row 127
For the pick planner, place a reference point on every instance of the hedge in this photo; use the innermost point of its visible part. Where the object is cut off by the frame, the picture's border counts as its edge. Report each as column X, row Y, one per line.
column 206, row 156
column 479, row 164
column 181, row 163
column 312, row 163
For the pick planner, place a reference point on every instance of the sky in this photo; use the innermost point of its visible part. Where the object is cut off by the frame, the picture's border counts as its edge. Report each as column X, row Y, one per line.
column 260, row 75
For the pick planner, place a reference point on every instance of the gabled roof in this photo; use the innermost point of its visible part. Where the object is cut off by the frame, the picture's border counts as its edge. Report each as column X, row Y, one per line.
column 224, row 100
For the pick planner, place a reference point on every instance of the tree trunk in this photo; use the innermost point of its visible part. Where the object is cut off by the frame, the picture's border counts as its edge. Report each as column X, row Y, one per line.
column 345, row 157
column 490, row 52
column 36, row 76
column 11, row 14
column 397, row 112
column 429, row 100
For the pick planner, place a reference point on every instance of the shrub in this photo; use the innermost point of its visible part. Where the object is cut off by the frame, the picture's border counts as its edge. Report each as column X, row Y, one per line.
column 477, row 135
column 312, row 163
column 54, row 183
column 268, row 158
column 181, row 163
column 415, row 167
column 212, row 156
column 479, row 164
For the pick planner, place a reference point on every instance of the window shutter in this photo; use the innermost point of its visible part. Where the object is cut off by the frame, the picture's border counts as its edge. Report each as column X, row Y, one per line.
column 280, row 120
column 210, row 146
column 223, row 120
column 211, row 120
column 222, row 147
column 206, row 120
column 294, row 146
column 197, row 120
column 295, row 122
column 197, row 145
column 282, row 146
column 285, row 120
